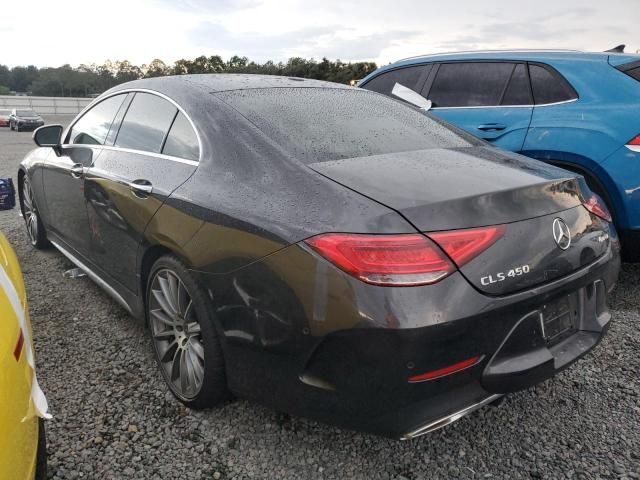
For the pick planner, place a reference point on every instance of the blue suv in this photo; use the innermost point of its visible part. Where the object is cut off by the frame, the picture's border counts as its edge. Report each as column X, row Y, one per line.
column 576, row 110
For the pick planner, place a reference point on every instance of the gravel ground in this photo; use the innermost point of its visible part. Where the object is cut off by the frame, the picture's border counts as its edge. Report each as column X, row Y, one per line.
column 113, row 417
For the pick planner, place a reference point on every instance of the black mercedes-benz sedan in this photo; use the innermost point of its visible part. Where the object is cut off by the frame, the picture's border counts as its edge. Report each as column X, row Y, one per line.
column 328, row 251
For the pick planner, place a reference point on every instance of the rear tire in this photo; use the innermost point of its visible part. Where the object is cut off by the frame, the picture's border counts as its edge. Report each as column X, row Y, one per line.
column 41, row 455
column 181, row 325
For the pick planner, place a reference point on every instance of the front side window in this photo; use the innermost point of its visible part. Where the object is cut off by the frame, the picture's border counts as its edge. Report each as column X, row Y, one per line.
column 182, row 140
column 470, row 84
column 548, row 86
column 408, row 76
column 93, row 126
column 146, row 123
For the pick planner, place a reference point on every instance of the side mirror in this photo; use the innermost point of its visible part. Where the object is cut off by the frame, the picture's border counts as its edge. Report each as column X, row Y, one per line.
column 48, row 136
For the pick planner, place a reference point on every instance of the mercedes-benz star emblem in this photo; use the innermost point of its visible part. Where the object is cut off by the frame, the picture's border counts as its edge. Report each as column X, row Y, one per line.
column 561, row 234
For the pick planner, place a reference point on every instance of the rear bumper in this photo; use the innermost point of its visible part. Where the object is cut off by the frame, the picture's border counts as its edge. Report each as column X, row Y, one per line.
column 341, row 351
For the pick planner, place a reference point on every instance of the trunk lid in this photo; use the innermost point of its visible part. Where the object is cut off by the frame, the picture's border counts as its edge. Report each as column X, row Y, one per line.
column 450, row 189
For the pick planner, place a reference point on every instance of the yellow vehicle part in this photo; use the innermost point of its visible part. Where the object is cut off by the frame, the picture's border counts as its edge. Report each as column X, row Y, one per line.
column 18, row 422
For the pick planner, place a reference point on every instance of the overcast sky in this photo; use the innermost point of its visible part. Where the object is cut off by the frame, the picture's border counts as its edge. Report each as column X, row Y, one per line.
column 51, row 33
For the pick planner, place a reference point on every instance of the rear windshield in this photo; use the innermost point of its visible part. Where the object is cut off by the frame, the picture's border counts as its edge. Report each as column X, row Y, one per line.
column 632, row 69
column 25, row 113
column 324, row 124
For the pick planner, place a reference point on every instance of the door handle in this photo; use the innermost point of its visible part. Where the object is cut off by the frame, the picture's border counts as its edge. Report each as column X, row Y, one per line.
column 141, row 188
column 77, row 170
column 491, row 126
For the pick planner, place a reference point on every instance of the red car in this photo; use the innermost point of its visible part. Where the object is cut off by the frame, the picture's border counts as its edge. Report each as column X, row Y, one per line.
column 4, row 118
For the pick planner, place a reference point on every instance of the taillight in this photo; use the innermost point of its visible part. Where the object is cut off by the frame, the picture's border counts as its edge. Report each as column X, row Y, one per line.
column 596, row 206
column 634, row 144
column 464, row 245
column 390, row 260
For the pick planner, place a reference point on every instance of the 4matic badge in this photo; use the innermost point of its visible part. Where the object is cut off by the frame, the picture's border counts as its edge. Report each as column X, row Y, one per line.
column 502, row 276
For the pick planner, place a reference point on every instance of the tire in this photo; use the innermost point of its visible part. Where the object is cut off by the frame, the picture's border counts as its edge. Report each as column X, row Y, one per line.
column 181, row 325
column 35, row 228
column 41, row 455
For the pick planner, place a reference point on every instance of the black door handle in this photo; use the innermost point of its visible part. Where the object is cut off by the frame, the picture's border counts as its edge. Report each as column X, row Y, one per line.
column 486, row 127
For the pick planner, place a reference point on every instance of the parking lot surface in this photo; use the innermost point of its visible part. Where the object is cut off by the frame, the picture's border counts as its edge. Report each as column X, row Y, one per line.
column 113, row 418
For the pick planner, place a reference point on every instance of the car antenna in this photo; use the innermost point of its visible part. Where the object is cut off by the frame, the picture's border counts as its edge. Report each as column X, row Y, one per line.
column 618, row 49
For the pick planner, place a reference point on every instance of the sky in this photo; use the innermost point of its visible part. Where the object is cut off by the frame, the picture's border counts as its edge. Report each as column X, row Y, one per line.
column 53, row 33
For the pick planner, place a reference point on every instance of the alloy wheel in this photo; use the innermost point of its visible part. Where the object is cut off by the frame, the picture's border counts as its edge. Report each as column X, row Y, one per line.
column 177, row 338
column 29, row 212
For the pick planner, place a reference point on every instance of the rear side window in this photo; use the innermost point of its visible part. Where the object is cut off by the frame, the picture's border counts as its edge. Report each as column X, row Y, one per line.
column 518, row 92
column 93, row 126
column 182, row 140
column 146, row 123
column 634, row 73
column 324, row 124
column 408, row 76
column 549, row 86
column 469, row 84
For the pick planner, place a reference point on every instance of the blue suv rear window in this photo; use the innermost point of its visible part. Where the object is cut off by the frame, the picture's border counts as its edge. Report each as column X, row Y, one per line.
column 549, row 86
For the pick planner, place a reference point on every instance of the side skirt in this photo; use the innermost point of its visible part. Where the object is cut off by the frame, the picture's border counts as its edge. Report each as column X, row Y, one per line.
column 94, row 276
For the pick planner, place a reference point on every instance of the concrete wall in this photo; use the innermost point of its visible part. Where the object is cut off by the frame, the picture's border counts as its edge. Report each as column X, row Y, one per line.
column 45, row 105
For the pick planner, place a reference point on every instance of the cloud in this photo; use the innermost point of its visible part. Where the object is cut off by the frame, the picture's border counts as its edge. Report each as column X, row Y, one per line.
column 206, row 6
column 326, row 41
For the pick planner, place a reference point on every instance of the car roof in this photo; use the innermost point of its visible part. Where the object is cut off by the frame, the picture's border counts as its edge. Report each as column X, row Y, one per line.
column 522, row 55
column 220, row 82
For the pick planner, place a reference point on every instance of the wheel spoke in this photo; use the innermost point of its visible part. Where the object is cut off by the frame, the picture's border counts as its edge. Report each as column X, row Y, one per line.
column 168, row 298
column 193, row 329
column 184, row 302
column 162, row 301
column 162, row 317
column 183, row 373
column 196, row 368
column 197, row 349
column 170, row 352
column 175, row 365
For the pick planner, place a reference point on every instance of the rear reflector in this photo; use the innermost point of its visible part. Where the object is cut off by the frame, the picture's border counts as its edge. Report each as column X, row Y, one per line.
column 464, row 245
column 390, row 260
column 596, row 206
column 634, row 144
column 443, row 372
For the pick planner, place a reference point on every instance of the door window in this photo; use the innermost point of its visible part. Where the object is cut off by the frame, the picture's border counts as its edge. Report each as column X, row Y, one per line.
column 182, row 140
column 408, row 77
column 549, row 86
column 470, row 84
column 93, row 126
column 518, row 91
column 146, row 123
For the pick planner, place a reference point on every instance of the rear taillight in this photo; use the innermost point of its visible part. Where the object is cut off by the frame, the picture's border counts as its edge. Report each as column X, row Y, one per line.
column 634, row 144
column 390, row 260
column 404, row 260
column 464, row 245
column 596, row 206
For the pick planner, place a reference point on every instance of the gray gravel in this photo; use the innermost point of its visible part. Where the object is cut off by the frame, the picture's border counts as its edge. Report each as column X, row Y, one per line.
column 113, row 417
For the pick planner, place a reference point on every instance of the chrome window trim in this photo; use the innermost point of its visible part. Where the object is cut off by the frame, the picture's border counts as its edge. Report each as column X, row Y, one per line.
column 94, row 276
column 194, row 163
column 508, row 106
column 136, row 90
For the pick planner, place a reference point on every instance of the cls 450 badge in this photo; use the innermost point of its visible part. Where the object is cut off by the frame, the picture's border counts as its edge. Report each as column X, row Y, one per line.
column 502, row 276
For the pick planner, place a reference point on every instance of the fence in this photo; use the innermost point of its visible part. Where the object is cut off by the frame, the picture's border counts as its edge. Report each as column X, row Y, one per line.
column 46, row 105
